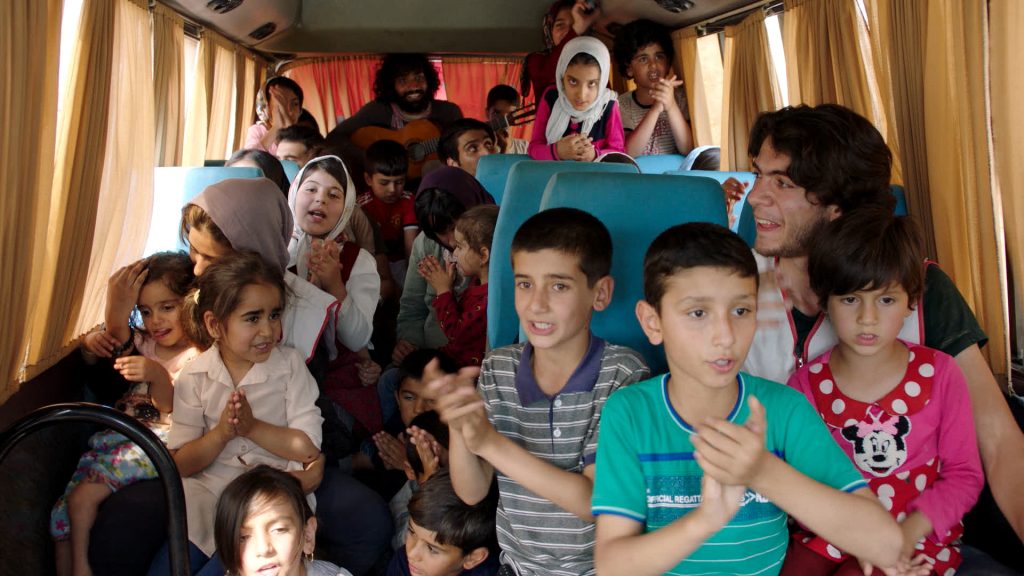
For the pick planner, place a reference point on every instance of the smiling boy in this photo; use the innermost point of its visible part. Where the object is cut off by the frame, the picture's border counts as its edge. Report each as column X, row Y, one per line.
column 533, row 419
column 698, row 468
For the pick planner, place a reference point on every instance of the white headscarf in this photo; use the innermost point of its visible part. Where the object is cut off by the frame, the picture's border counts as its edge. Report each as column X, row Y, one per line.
column 299, row 246
column 562, row 113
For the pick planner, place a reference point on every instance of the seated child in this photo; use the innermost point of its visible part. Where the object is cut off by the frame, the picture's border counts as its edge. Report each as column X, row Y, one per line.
column 533, row 419
column 464, row 317
column 278, row 106
column 426, row 452
column 655, row 115
column 565, row 20
column 900, row 411
column 264, row 522
column 503, row 100
column 387, row 203
column 299, row 143
column 149, row 356
column 698, row 468
column 464, row 142
column 323, row 201
column 578, row 119
column 245, row 400
column 446, row 537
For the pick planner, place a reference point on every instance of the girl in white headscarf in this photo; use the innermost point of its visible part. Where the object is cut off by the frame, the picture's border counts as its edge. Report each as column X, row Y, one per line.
column 322, row 201
column 578, row 118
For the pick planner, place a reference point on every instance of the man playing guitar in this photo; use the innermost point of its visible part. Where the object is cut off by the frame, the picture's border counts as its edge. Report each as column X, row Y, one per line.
column 404, row 88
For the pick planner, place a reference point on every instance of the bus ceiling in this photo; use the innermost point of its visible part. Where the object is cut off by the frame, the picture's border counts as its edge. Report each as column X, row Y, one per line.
column 322, row 27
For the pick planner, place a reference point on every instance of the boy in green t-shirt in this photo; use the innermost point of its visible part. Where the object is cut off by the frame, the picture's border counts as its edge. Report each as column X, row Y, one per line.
column 697, row 469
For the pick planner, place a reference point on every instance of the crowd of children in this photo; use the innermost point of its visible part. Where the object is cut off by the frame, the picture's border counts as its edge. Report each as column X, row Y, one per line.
column 318, row 363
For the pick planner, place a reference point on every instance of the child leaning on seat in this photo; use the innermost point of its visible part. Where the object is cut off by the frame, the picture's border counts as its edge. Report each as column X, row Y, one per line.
column 900, row 411
column 154, row 287
column 533, row 419
column 697, row 469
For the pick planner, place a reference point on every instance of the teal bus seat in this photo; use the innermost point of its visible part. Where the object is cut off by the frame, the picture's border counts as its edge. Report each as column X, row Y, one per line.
column 742, row 219
column 659, row 163
column 291, row 170
column 492, row 172
column 901, row 199
column 526, row 183
column 635, row 208
column 174, row 187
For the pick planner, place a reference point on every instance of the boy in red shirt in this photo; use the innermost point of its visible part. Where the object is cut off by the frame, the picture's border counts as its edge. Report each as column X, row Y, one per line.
column 387, row 203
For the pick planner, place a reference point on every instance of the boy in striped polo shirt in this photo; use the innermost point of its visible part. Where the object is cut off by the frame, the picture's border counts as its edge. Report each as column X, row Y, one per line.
column 698, row 468
column 532, row 420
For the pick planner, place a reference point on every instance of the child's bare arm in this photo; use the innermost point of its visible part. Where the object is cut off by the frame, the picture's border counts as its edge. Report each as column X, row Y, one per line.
column 311, row 475
column 623, row 548
column 142, row 369
column 122, row 293
column 194, row 456
column 735, row 454
column 458, row 403
column 665, row 94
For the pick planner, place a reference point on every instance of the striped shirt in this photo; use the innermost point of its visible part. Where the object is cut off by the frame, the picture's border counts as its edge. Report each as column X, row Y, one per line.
column 536, row 536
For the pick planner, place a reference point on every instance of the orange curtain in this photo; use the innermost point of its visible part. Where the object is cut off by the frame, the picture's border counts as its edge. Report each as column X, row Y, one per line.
column 335, row 88
column 467, row 81
column 700, row 60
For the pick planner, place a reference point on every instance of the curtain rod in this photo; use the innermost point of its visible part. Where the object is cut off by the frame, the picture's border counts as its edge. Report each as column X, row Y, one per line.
column 766, row 5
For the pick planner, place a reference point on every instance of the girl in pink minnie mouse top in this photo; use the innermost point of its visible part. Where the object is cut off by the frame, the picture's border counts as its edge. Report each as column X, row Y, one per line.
column 901, row 411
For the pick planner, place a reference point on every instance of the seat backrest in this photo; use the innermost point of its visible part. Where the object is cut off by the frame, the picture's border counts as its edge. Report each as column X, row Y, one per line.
column 175, row 187
column 492, row 172
column 901, row 200
column 526, row 183
column 659, row 163
column 291, row 170
column 635, row 209
column 741, row 218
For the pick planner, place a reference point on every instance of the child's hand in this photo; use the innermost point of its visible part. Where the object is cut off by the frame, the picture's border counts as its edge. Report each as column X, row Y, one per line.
column 583, row 16
column 391, row 450
column 440, row 276
column 428, row 449
column 244, row 420
column 730, row 453
column 589, row 153
column 460, row 405
column 100, row 343
column 138, row 368
column 325, row 265
column 664, row 93
column 226, row 426
column 734, row 190
column 919, row 566
column 369, row 372
column 719, row 502
column 914, row 527
column 279, row 116
column 402, row 349
column 571, row 147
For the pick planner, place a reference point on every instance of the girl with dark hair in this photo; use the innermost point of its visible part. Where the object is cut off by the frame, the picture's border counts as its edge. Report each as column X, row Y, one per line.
column 278, row 106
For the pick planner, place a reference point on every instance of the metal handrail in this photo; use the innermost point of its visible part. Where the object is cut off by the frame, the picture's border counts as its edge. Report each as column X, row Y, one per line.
column 177, row 532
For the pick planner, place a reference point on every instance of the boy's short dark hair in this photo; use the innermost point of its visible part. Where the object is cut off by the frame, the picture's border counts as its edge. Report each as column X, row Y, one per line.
column 283, row 82
column 693, row 245
column 302, row 133
column 436, row 211
column 306, row 119
column 388, row 158
column 866, row 249
column 502, row 92
column 477, row 225
column 837, row 155
column 448, row 146
column 268, row 163
column 414, row 362
column 430, row 422
column 437, row 508
column 571, row 231
column 636, row 36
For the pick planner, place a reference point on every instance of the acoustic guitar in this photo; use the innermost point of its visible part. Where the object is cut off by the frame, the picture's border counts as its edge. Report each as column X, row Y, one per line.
column 421, row 137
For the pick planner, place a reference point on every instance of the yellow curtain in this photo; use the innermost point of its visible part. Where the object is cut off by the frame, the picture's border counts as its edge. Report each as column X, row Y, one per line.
column 750, row 87
column 28, row 103
column 169, row 87
column 126, row 189
column 957, row 144
column 1006, row 84
column 245, row 96
column 700, row 61
column 823, row 59
column 208, row 121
